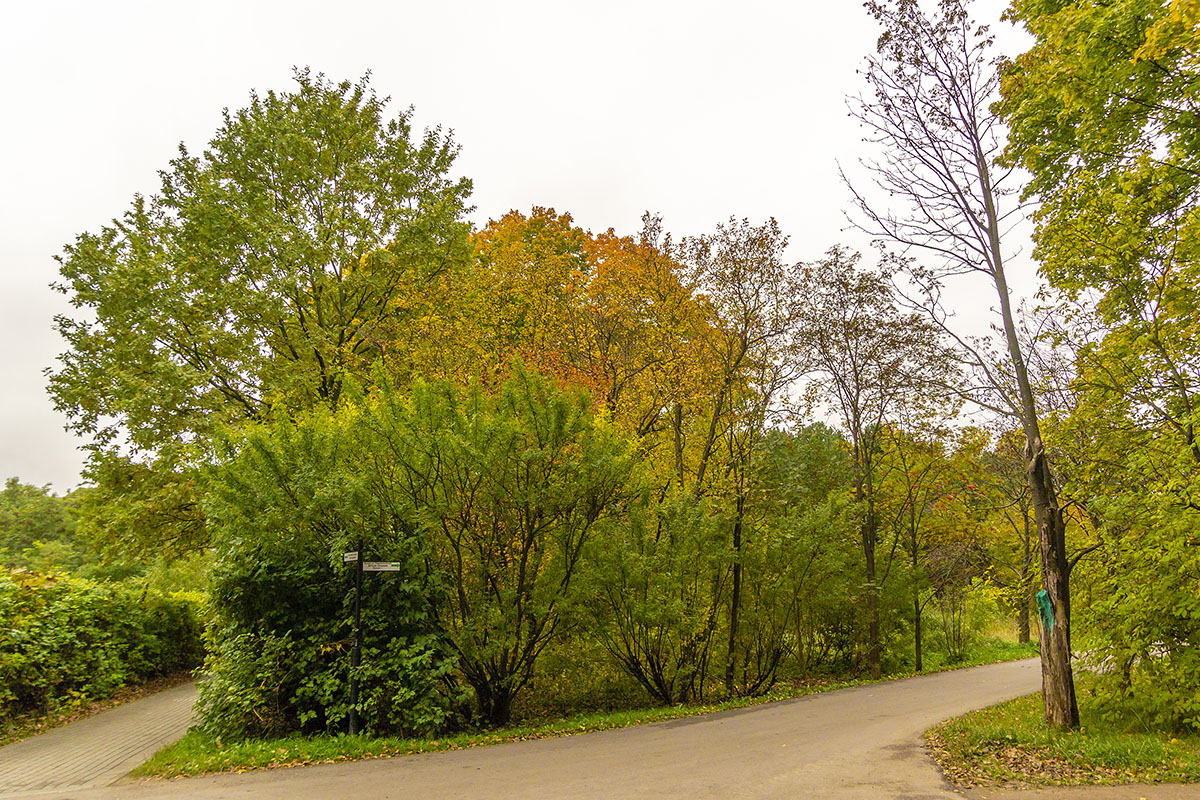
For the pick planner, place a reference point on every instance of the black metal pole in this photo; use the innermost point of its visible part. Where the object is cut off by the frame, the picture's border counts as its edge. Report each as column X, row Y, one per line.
column 355, row 650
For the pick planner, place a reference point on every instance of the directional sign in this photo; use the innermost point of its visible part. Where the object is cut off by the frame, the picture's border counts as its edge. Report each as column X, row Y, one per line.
column 353, row 557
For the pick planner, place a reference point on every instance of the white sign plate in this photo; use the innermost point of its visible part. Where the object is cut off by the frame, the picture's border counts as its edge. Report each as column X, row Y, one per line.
column 348, row 558
column 381, row 566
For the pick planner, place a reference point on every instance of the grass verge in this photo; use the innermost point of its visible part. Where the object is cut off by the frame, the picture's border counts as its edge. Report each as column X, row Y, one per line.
column 1009, row 745
column 198, row 754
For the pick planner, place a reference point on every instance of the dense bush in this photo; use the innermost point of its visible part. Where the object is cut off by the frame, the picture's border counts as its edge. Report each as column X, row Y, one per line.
column 67, row 639
column 284, row 509
column 486, row 502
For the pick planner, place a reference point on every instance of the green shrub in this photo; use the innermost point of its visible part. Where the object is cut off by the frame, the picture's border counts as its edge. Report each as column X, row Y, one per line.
column 289, row 501
column 486, row 502
column 68, row 639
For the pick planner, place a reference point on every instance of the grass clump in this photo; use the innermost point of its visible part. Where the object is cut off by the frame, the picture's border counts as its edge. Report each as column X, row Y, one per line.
column 988, row 651
column 1010, row 745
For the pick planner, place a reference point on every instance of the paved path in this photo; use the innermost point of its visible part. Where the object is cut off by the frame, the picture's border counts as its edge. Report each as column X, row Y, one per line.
column 862, row 742
column 96, row 751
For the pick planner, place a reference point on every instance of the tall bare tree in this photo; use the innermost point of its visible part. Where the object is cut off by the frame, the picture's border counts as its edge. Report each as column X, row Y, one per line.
column 931, row 84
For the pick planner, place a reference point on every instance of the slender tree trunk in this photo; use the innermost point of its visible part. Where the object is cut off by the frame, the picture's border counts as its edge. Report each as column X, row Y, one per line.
column 920, row 663
column 873, row 659
column 866, row 494
column 735, row 598
column 918, row 660
column 1025, row 598
column 677, row 427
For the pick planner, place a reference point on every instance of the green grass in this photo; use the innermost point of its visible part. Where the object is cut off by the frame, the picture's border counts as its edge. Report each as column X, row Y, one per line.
column 991, row 651
column 1010, row 744
column 198, row 754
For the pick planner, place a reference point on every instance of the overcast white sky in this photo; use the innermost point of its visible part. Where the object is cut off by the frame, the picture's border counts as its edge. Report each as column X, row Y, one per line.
column 696, row 110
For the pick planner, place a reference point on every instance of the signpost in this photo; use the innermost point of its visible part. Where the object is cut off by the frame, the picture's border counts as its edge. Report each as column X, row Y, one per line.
column 356, row 648
column 360, row 566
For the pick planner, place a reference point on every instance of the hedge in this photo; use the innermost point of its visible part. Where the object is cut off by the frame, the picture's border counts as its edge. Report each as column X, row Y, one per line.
column 66, row 639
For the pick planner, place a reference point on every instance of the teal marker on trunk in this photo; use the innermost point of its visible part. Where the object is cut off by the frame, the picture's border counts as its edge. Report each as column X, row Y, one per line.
column 1043, row 601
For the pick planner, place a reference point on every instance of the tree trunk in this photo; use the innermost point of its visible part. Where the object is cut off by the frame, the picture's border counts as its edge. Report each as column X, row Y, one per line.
column 869, row 540
column 1058, row 682
column 677, row 428
column 919, row 662
column 865, row 493
column 501, row 709
column 735, row 599
column 1025, row 600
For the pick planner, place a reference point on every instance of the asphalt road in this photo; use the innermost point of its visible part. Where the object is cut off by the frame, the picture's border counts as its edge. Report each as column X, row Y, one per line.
column 862, row 742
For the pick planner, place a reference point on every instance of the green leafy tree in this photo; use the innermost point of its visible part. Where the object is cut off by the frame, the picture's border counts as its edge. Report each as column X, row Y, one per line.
column 30, row 516
column 873, row 362
column 1102, row 113
column 658, row 586
column 39, row 530
column 799, row 554
column 910, row 493
column 508, row 488
column 741, row 271
column 287, row 256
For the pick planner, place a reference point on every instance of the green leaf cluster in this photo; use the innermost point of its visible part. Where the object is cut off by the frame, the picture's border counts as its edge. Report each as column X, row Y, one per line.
column 487, row 499
column 1103, row 115
column 65, row 639
column 287, row 256
column 289, row 499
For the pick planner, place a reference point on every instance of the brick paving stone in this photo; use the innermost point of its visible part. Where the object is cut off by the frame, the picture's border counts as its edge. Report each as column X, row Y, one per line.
column 98, row 750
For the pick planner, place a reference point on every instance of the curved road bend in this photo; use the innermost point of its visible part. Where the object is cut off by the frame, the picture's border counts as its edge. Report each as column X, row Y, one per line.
column 862, row 742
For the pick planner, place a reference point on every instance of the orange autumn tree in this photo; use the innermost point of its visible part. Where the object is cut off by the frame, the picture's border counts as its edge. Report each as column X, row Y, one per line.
column 606, row 312
column 528, row 273
column 673, row 343
column 640, row 333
